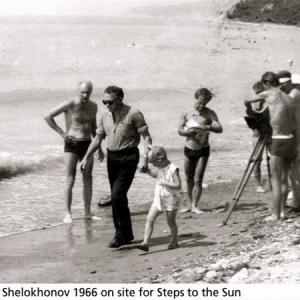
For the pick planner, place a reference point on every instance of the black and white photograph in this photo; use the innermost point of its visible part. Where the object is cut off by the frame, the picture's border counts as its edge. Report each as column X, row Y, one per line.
column 150, row 142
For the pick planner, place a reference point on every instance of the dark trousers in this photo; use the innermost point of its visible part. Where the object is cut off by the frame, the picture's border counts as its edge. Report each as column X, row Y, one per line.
column 121, row 167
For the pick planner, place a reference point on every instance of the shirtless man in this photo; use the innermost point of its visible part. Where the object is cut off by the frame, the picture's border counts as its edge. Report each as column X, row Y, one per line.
column 253, row 109
column 196, row 126
column 283, row 147
column 80, row 118
column 292, row 89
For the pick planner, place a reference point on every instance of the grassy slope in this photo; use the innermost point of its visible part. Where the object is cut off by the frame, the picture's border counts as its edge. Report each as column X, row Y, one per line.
column 275, row 11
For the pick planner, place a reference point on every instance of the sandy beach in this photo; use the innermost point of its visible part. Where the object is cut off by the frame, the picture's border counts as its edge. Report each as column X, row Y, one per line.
column 160, row 54
column 246, row 250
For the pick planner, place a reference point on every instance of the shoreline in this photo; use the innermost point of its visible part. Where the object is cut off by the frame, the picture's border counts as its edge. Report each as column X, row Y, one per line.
column 132, row 206
column 79, row 253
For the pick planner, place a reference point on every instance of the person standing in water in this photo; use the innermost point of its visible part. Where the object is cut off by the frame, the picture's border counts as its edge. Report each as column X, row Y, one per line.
column 80, row 117
column 196, row 126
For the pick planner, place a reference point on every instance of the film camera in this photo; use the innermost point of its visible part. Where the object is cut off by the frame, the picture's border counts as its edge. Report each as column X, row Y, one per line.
column 259, row 121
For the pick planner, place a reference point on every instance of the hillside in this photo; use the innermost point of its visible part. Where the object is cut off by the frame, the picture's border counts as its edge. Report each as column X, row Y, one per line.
column 273, row 11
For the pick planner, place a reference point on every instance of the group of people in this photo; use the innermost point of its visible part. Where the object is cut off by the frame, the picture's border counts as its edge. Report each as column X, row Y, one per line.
column 123, row 127
column 279, row 93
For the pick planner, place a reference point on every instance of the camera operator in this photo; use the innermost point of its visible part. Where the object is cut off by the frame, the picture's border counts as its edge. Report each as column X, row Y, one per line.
column 283, row 146
column 290, row 87
column 256, row 111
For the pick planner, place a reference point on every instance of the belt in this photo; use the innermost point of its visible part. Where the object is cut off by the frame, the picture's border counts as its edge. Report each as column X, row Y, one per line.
column 282, row 136
column 126, row 151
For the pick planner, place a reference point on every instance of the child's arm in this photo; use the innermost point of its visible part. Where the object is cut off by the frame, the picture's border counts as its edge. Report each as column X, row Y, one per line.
column 177, row 181
column 152, row 173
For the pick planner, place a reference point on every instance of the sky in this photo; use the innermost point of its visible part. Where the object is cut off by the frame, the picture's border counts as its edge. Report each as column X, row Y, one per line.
column 73, row 7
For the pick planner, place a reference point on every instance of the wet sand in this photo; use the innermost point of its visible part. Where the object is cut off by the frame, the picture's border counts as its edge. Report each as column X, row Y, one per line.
column 79, row 253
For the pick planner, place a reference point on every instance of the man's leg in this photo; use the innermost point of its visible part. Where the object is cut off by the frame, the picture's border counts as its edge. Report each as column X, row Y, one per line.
column 71, row 160
column 189, row 170
column 276, row 178
column 284, row 188
column 88, row 188
column 113, row 171
column 120, row 201
column 197, row 190
column 295, row 178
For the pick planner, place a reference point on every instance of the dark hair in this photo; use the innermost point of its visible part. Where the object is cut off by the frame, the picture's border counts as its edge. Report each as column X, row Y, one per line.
column 204, row 92
column 258, row 87
column 112, row 89
column 284, row 74
column 271, row 78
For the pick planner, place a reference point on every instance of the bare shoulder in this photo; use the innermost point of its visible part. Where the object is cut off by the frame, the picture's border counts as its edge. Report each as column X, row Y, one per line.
column 93, row 106
column 211, row 113
column 65, row 105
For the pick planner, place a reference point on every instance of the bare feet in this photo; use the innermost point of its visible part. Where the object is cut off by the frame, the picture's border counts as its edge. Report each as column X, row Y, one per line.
column 260, row 189
column 92, row 217
column 68, row 218
column 272, row 218
column 173, row 245
column 197, row 211
column 185, row 209
column 283, row 215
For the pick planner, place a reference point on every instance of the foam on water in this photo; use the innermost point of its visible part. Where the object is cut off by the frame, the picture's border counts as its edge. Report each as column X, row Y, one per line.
column 13, row 164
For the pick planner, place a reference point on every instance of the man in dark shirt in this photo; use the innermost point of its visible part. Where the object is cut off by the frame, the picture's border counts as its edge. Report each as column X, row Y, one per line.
column 122, row 126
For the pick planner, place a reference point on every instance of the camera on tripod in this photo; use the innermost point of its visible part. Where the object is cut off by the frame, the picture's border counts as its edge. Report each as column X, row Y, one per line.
column 259, row 121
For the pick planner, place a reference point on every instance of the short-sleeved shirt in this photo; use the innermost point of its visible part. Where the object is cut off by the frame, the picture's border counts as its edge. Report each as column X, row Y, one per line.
column 124, row 132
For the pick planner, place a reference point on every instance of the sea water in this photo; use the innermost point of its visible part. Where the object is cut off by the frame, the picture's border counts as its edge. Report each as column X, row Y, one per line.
column 41, row 63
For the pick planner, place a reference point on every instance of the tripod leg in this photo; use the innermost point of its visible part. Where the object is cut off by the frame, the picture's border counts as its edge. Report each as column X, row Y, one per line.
column 252, row 159
column 256, row 154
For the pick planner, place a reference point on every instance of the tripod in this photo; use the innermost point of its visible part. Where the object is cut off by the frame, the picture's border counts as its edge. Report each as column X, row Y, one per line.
column 252, row 162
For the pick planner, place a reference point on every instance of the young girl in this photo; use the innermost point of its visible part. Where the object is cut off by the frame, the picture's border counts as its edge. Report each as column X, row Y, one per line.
column 166, row 196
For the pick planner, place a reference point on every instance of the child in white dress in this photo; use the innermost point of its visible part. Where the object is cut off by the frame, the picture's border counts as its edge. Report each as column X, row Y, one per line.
column 166, row 196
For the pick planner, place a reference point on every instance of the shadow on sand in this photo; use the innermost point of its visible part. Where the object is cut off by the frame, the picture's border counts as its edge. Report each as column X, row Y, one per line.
column 186, row 240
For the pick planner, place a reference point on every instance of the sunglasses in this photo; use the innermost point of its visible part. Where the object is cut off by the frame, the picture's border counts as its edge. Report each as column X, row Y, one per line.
column 108, row 102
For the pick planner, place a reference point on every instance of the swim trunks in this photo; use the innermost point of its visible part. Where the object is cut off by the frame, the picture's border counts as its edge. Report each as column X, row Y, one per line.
column 196, row 154
column 77, row 147
column 285, row 148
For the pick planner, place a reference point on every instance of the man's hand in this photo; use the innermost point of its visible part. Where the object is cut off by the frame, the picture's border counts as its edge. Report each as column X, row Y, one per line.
column 192, row 131
column 100, row 155
column 144, row 165
column 83, row 164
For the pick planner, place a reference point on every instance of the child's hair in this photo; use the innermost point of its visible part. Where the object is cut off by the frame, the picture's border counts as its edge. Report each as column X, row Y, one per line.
column 157, row 153
column 204, row 92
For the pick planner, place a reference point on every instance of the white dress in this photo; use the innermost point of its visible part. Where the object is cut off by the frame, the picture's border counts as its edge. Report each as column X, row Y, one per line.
column 166, row 198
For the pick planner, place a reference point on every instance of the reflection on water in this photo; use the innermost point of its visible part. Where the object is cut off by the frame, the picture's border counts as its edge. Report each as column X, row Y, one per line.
column 70, row 236
column 89, row 231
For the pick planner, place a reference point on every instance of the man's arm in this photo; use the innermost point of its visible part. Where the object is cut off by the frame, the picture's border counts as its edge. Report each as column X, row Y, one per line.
column 215, row 126
column 100, row 151
column 95, row 144
column 49, row 117
column 248, row 102
column 147, row 145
